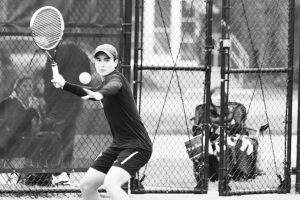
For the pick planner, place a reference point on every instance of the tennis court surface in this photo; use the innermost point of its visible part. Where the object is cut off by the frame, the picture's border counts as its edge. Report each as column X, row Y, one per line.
column 209, row 196
column 212, row 194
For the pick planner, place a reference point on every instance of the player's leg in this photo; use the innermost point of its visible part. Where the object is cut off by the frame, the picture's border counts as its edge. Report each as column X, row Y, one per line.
column 115, row 178
column 126, row 165
column 94, row 177
column 90, row 183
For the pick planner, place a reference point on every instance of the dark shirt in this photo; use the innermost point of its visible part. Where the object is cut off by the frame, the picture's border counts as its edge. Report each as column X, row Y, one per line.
column 61, row 107
column 236, row 112
column 120, row 109
column 15, row 125
column 235, row 116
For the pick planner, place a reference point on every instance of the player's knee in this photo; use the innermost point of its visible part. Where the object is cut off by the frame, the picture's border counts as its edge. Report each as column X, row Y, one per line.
column 85, row 187
column 110, row 186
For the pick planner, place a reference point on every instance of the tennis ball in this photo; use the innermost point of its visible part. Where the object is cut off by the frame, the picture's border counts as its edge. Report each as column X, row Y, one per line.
column 85, row 78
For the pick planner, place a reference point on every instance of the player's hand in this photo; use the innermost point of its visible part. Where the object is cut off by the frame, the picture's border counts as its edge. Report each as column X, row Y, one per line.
column 92, row 95
column 58, row 80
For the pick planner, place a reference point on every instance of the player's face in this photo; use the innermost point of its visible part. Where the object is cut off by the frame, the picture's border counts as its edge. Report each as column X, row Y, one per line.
column 105, row 65
column 216, row 98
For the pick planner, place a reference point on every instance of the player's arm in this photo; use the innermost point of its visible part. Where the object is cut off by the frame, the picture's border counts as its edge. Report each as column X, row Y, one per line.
column 83, row 92
column 59, row 81
column 109, row 88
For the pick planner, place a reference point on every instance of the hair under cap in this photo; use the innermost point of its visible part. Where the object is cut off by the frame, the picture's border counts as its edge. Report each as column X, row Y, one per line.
column 108, row 49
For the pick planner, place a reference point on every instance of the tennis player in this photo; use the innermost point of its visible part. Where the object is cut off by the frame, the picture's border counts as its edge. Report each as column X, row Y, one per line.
column 131, row 148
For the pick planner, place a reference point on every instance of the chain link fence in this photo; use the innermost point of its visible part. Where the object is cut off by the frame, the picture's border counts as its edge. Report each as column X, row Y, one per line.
column 176, row 54
column 177, row 60
column 172, row 76
column 46, row 131
column 260, row 77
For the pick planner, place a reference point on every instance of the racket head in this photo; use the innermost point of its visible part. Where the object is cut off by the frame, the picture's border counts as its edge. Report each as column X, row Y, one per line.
column 47, row 27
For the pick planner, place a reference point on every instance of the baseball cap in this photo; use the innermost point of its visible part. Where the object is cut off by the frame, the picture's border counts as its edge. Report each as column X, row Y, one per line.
column 108, row 49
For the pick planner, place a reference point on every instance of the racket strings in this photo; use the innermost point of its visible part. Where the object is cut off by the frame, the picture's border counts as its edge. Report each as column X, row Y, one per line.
column 47, row 29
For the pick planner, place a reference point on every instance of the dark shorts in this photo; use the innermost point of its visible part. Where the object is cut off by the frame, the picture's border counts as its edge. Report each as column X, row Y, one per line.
column 131, row 160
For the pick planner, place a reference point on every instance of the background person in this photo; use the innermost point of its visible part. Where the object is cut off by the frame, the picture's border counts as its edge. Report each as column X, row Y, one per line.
column 19, row 117
column 45, row 150
column 131, row 148
column 242, row 165
column 63, row 108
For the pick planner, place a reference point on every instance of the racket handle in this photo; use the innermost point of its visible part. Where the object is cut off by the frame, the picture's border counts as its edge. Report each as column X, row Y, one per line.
column 55, row 72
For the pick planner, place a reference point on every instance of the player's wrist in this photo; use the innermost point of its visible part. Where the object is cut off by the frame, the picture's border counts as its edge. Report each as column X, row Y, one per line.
column 63, row 83
column 98, row 96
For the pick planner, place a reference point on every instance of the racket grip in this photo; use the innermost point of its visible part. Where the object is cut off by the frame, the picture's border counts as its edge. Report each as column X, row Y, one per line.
column 54, row 70
column 54, row 73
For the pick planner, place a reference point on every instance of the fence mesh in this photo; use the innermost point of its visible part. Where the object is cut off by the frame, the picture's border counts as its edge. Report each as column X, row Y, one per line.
column 172, row 77
column 258, row 75
column 47, row 132
column 171, row 70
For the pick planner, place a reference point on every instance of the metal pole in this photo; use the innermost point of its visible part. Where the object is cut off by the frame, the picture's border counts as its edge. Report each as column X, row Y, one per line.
column 224, row 50
column 290, row 94
column 136, row 47
column 136, row 187
column 297, row 184
column 126, row 67
column 208, row 63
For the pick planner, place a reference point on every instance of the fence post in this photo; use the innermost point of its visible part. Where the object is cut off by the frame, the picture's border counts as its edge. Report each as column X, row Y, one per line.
column 224, row 51
column 208, row 64
column 137, row 46
column 297, row 184
column 126, row 48
column 286, row 185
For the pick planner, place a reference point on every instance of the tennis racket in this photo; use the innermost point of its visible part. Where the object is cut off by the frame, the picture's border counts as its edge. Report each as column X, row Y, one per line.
column 47, row 28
